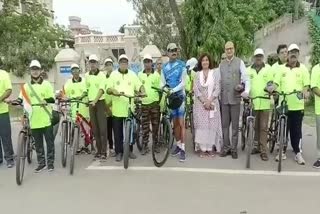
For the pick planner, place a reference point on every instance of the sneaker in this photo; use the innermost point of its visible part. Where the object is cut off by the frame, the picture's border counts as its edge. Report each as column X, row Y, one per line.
column 97, row 156
column 284, row 157
column 50, row 168
column 10, row 164
column 132, row 156
column 264, row 157
column 119, row 157
column 225, row 153
column 234, row 155
column 40, row 168
column 112, row 153
column 103, row 157
column 299, row 159
column 176, row 151
column 182, row 157
column 316, row 165
column 255, row 151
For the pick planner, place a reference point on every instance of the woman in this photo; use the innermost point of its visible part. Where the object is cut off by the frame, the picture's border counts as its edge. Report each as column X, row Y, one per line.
column 207, row 119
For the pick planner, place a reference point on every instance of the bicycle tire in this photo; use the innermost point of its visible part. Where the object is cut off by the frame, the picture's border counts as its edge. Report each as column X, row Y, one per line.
column 243, row 136
column 192, row 132
column 249, row 143
column 74, row 146
column 282, row 134
column 126, row 145
column 64, row 144
column 21, row 157
column 138, row 136
column 272, row 133
column 29, row 149
column 166, row 142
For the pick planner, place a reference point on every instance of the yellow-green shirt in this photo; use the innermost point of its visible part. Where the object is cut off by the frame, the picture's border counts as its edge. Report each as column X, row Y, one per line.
column 127, row 83
column 148, row 81
column 5, row 84
column 107, row 97
column 315, row 83
column 275, row 69
column 94, row 83
column 75, row 89
column 293, row 79
column 39, row 117
column 258, row 82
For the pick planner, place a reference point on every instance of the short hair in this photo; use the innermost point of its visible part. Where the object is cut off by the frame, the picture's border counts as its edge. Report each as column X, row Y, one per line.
column 211, row 63
column 282, row 46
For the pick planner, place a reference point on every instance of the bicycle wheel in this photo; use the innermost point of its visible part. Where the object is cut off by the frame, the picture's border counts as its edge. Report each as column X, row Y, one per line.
column 21, row 157
column 74, row 146
column 64, row 144
column 138, row 136
column 29, row 142
column 192, row 131
column 126, row 145
column 282, row 138
column 272, row 135
column 249, row 143
column 243, row 133
column 161, row 150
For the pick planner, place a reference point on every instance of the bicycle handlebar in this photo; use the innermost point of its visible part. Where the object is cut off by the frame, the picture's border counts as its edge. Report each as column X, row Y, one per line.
column 132, row 97
column 286, row 94
column 73, row 100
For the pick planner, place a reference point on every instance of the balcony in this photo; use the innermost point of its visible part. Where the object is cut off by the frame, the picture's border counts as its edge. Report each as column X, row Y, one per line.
column 98, row 39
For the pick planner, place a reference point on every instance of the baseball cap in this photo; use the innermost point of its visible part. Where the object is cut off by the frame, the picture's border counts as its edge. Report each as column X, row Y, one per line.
column 147, row 56
column 35, row 63
column 293, row 47
column 74, row 66
column 93, row 57
column 123, row 56
column 108, row 60
column 172, row 46
column 258, row 51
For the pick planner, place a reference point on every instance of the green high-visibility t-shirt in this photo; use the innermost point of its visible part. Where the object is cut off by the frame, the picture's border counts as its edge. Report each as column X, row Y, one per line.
column 189, row 83
column 75, row 89
column 258, row 82
column 127, row 83
column 94, row 83
column 5, row 84
column 293, row 79
column 149, row 81
column 39, row 117
column 315, row 83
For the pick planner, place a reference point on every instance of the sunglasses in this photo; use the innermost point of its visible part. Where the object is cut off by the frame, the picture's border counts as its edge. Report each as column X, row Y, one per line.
column 173, row 50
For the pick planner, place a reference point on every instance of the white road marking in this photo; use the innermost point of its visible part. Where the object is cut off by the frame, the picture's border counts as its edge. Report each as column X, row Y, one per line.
column 208, row 170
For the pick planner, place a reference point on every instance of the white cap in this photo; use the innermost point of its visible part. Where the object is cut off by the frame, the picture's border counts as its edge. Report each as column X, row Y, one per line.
column 147, row 56
column 293, row 47
column 192, row 63
column 108, row 60
column 75, row 66
column 172, row 46
column 35, row 63
column 123, row 56
column 258, row 51
column 93, row 57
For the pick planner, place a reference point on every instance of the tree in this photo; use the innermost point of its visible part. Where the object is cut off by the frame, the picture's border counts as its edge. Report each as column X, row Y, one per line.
column 121, row 29
column 27, row 36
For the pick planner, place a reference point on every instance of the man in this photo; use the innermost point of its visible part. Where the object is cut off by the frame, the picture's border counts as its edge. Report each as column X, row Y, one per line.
column 5, row 130
column 233, row 74
column 74, row 89
column 173, row 77
column 150, row 104
column 122, row 81
column 159, row 66
column 40, row 91
column 315, row 86
column 260, row 75
column 95, row 84
column 108, row 65
column 294, row 76
column 282, row 52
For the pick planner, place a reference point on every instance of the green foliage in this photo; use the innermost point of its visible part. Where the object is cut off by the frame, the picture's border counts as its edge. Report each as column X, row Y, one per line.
column 27, row 36
column 314, row 32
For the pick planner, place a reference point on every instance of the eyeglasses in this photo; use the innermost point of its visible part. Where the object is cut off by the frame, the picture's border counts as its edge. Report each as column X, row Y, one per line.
column 173, row 50
column 159, row 63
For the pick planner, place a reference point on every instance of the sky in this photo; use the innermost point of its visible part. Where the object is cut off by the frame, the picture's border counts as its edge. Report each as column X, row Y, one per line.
column 104, row 15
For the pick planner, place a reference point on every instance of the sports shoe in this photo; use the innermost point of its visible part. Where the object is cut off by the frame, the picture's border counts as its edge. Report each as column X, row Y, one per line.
column 119, row 157
column 40, row 168
column 112, row 153
column 103, row 157
column 10, row 164
column 284, row 157
column 316, row 164
column 255, row 151
column 225, row 153
column 50, row 168
column 182, row 156
column 132, row 156
column 176, row 151
column 299, row 159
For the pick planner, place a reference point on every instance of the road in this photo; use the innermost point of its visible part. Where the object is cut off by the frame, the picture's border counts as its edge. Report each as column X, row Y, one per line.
column 210, row 185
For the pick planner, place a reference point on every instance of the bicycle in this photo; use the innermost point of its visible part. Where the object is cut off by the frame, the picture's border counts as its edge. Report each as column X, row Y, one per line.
column 248, row 124
column 26, row 145
column 131, row 134
column 189, row 118
column 273, row 127
column 282, row 123
column 165, row 136
column 71, row 132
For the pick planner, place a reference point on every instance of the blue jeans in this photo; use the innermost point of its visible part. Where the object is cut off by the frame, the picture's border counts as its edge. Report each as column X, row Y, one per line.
column 5, row 136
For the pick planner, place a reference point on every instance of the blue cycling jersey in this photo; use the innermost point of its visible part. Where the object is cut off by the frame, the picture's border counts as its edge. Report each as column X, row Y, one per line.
column 173, row 72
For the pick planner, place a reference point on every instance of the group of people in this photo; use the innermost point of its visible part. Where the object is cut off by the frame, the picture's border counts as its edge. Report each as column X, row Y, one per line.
column 217, row 92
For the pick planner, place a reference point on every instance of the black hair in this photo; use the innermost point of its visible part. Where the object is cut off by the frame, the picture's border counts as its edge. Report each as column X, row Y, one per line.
column 282, row 46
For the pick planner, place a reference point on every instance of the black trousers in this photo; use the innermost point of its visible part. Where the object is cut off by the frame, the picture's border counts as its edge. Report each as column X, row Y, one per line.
column 109, row 132
column 118, row 132
column 5, row 138
column 295, row 128
column 38, row 135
